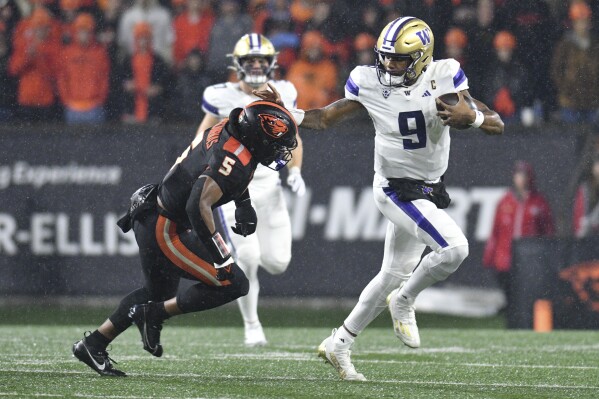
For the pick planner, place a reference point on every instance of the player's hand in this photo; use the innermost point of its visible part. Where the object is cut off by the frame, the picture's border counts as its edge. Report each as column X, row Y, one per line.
column 246, row 219
column 271, row 95
column 226, row 272
column 460, row 115
column 296, row 181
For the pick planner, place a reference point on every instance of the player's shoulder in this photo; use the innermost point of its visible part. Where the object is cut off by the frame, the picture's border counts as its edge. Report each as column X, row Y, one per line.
column 361, row 77
column 447, row 67
column 220, row 90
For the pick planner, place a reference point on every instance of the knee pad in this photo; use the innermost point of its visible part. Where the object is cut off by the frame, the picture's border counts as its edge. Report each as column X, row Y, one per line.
column 275, row 265
column 448, row 261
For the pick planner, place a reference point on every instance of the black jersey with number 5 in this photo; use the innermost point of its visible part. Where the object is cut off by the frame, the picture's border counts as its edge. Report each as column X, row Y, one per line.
column 217, row 154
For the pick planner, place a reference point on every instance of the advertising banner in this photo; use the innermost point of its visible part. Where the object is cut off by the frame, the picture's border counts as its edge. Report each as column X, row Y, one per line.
column 63, row 188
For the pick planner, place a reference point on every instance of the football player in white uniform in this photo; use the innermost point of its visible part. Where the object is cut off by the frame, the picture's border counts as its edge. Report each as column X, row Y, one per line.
column 254, row 60
column 400, row 93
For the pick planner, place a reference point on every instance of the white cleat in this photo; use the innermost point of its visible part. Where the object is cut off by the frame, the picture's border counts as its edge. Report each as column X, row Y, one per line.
column 338, row 356
column 404, row 318
column 254, row 335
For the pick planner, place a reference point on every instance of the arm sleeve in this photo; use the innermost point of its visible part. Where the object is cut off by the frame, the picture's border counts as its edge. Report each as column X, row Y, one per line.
column 352, row 85
column 212, row 102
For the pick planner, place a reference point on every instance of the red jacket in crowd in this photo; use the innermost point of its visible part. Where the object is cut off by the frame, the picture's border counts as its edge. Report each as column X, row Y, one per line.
column 516, row 218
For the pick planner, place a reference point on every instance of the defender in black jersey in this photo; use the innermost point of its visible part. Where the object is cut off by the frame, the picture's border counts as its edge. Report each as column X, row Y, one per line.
column 175, row 229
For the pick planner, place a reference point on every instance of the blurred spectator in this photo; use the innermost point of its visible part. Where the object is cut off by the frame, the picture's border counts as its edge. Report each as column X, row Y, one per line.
column 159, row 18
column 285, row 41
column 259, row 12
column 34, row 64
column 575, row 68
column 191, row 82
column 455, row 46
column 7, row 94
column 505, row 85
column 522, row 212
column 536, row 31
column 314, row 76
column 481, row 42
column 145, row 77
column 192, row 29
column 301, row 11
column 364, row 49
column 334, row 22
column 83, row 77
column 10, row 14
column 228, row 28
column 67, row 14
column 370, row 19
column 436, row 13
column 106, row 35
column 586, row 203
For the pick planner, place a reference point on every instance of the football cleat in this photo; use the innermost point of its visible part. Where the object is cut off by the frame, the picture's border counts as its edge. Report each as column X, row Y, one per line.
column 254, row 335
column 404, row 318
column 338, row 356
column 97, row 359
column 149, row 327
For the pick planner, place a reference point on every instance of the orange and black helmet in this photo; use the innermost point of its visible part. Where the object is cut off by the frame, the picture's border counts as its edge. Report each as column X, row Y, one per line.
column 268, row 130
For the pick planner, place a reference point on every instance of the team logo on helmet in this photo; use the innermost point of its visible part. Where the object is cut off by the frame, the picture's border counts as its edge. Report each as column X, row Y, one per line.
column 272, row 125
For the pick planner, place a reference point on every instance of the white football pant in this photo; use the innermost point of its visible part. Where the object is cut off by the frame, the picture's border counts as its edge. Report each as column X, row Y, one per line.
column 412, row 227
column 269, row 246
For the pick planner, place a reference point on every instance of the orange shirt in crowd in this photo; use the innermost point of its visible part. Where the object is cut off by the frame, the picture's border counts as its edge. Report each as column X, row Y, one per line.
column 83, row 79
column 316, row 82
column 192, row 34
column 34, row 59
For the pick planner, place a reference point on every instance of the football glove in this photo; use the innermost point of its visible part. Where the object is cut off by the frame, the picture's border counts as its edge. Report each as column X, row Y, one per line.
column 296, row 182
column 245, row 219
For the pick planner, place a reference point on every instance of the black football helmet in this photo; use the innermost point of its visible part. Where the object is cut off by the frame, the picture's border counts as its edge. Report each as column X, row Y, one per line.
column 267, row 130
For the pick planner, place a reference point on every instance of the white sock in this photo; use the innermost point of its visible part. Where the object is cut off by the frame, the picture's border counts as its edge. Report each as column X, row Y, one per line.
column 248, row 305
column 373, row 300
column 343, row 338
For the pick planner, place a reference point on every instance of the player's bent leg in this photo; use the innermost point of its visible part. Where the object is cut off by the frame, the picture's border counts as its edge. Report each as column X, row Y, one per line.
column 274, row 234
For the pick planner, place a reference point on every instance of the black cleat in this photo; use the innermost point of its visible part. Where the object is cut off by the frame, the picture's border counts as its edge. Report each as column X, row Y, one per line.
column 98, row 360
column 144, row 317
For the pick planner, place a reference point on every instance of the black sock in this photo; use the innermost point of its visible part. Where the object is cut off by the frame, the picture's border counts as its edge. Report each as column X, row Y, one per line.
column 160, row 310
column 97, row 340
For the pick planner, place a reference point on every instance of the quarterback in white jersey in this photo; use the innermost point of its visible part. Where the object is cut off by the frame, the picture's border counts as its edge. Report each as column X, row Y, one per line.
column 401, row 95
column 254, row 59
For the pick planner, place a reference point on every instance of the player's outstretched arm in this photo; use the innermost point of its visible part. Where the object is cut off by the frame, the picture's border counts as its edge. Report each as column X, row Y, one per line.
column 319, row 118
column 340, row 110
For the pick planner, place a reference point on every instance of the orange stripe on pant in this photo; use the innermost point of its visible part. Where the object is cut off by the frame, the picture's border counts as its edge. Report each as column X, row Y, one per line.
column 181, row 256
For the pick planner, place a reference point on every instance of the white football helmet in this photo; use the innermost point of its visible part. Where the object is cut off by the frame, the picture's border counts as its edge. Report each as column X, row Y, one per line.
column 248, row 47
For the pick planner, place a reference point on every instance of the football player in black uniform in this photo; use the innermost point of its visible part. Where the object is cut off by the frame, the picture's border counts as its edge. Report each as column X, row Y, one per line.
column 175, row 229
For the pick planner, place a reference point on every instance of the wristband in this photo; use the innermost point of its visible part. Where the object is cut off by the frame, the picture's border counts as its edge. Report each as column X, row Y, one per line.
column 295, row 170
column 480, row 118
column 298, row 115
column 221, row 247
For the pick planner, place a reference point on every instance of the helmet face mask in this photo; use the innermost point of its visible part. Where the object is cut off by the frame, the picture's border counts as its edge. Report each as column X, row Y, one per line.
column 249, row 48
column 405, row 38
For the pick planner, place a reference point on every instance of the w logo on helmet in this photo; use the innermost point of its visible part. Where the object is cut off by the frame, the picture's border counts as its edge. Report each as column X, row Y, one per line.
column 272, row 125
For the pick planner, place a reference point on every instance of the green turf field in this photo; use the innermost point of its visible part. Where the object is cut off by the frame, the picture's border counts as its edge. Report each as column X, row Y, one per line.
column 205, row 360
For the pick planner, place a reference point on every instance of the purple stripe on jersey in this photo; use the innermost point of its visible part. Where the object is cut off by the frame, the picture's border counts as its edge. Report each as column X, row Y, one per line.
column 209, row 107
column 417, row 216
column 352, row 87
column 459, row 78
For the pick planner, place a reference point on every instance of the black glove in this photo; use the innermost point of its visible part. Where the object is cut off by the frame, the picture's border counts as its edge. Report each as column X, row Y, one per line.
column 245, row 219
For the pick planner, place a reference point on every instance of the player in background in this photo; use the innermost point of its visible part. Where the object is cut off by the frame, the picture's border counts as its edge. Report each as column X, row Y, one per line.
column 411, row 154
column 254, row 60
column 175, row 229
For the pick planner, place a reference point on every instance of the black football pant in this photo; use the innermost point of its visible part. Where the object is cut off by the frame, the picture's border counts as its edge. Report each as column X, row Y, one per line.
column 168, row 253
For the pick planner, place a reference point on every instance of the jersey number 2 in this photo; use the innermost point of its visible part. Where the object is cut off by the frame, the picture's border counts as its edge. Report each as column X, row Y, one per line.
column 227, row 166
column 418, row 128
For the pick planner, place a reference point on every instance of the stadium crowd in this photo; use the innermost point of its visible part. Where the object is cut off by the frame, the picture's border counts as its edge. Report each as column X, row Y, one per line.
column 147, row 61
